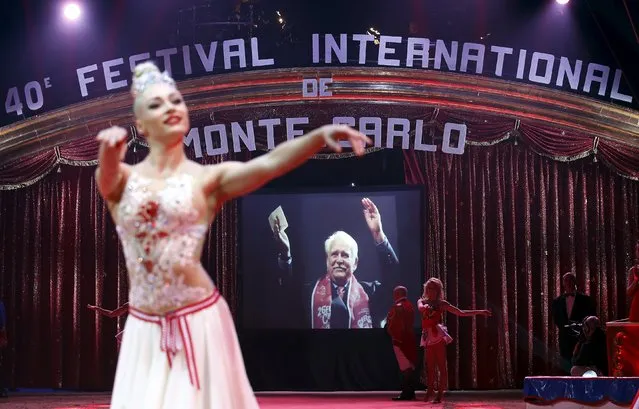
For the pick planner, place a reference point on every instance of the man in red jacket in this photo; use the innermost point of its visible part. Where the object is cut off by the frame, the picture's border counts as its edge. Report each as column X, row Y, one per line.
column 400, row 325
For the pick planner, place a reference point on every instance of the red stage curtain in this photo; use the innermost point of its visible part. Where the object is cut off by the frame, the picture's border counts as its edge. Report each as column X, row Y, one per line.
column 503, row 225
column 61, row 252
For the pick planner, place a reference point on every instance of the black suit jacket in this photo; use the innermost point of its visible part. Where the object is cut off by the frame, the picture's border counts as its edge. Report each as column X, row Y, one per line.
column 380, row 297
column 583, row 307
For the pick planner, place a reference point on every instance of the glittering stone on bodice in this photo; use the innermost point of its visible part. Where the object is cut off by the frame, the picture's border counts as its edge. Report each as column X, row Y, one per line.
column 159, row 230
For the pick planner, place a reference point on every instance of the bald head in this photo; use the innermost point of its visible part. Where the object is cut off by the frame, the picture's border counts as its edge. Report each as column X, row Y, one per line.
column 569, row 283
column 399, row 292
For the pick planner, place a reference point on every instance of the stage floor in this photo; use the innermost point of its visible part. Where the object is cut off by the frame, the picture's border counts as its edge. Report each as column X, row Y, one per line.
column 371, row 400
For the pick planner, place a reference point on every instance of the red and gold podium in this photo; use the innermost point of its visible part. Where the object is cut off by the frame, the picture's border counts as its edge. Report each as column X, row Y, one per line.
column 623, row 348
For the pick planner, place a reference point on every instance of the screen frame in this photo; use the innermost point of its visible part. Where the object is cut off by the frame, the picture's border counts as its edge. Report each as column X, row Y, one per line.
column 239, row 283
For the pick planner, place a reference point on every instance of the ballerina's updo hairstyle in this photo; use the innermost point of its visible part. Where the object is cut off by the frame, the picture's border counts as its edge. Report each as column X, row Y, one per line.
column 146, row 74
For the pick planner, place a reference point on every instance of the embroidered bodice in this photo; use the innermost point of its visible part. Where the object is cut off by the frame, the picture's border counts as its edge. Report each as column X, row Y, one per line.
column 432, row 316
column 160, row 230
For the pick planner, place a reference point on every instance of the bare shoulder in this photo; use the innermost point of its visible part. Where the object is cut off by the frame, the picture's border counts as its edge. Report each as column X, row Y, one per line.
column 211, row 175
column 206, row 176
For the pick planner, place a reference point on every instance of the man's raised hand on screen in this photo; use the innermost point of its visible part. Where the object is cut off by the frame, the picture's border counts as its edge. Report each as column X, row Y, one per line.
column 373, row 220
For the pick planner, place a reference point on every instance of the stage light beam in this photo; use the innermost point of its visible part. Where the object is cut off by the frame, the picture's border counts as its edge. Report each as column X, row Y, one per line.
column 562, row 2
column 72, row 11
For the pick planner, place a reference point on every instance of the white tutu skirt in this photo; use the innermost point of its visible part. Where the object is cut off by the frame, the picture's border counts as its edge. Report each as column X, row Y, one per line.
column 207, row 354
column 432, row 336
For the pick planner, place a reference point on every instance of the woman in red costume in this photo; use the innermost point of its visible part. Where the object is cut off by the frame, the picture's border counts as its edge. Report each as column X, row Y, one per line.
column 633, row 287
column 435, row 336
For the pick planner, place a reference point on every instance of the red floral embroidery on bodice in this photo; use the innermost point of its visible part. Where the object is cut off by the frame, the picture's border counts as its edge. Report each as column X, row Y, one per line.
column 159, row 230
column 432, row 316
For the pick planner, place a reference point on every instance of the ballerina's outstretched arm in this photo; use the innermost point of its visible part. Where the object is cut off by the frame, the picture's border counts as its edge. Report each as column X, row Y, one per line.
column 232, row 179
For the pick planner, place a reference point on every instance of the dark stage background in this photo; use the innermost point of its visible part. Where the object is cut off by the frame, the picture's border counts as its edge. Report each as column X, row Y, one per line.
column 503, row 225
column 36, row 44
column 505, row 221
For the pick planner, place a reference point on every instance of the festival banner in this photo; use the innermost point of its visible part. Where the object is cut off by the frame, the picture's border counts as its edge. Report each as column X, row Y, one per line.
column 84, row 63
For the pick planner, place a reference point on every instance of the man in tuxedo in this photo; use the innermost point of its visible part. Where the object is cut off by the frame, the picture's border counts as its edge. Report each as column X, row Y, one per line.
column 570, row 308
column 338, row 299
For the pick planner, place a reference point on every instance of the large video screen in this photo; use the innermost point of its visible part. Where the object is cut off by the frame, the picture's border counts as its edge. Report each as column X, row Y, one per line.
column 328, row 260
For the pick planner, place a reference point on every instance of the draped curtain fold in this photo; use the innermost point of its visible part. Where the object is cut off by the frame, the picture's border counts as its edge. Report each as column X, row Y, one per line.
column 482, row 129
column 503, row 225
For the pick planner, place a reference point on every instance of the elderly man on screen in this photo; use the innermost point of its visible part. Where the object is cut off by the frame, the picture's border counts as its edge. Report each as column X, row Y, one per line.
column 338, row 299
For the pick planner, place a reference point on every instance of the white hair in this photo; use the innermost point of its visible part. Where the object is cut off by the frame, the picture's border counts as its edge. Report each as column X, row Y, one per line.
column 344, row 236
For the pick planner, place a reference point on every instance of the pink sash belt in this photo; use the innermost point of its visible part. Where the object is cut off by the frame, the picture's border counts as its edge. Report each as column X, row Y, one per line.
column 175, row 332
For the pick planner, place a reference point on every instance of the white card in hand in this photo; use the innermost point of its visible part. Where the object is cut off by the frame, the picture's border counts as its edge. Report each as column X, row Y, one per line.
column 279, row 214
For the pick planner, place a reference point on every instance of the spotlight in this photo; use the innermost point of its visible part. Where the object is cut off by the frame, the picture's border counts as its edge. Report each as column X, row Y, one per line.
column 352, row 184
column 562, row 2
column 72, row 11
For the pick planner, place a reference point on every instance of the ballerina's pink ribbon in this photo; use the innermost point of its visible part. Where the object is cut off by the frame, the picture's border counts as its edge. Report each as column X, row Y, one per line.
column 175, row 334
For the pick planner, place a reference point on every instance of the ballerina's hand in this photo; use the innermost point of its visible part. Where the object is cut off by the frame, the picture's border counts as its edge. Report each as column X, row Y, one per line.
column 335, row 133
column 113, row 138
column 486, row 313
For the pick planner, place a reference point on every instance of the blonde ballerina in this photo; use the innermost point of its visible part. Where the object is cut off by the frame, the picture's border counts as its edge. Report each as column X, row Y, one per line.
column 179, row 348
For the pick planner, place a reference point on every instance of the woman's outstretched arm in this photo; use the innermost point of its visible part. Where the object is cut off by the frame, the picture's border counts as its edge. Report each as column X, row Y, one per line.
column 232, row 179
column 464, row 313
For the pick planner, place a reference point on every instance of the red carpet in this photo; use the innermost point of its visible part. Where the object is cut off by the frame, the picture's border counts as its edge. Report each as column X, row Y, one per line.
column 455, row 400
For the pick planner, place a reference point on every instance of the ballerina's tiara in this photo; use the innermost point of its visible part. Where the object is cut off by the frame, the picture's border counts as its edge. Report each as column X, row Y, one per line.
column 148, row 78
